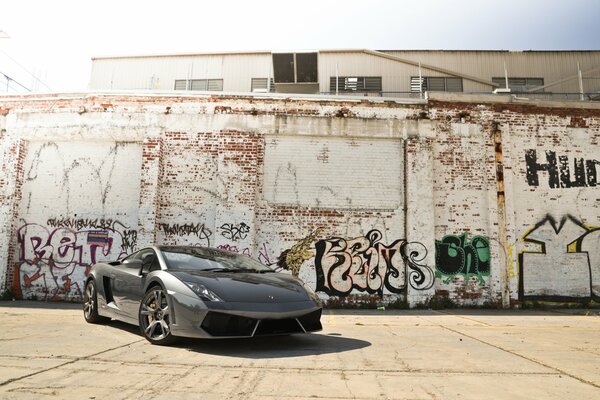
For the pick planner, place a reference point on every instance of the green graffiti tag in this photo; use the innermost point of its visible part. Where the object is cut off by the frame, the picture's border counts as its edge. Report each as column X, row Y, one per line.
column 456, row 255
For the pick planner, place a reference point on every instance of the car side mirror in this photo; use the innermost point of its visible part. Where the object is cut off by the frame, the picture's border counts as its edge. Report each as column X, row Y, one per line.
column 133, row 264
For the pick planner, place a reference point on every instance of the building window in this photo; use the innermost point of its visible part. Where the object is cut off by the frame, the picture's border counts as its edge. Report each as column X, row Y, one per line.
column 355, row 84
column 199, row 84
column 295, row 67
column 180, row 84
column 260, row 85
column 436, row 84
column 520, row 84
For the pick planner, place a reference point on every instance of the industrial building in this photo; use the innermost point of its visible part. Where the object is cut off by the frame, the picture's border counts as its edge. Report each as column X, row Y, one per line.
column 556, row 75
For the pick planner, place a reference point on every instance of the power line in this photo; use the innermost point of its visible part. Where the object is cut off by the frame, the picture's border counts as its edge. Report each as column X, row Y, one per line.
column 9, row 80
column 26, row 70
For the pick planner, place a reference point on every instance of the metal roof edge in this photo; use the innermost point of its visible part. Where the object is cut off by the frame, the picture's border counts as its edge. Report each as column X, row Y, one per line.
column 350, row 50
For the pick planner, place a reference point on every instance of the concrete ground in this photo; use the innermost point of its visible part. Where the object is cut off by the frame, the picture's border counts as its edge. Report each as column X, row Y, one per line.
column 48, row 351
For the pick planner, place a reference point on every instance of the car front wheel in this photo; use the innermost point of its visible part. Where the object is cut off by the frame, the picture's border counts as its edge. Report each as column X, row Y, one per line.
column 155, row 317
column 90, row 304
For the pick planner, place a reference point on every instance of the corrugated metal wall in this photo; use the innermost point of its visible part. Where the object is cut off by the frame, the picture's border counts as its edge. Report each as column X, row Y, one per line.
column 237, row 70
column 160, row 73
column 550, row 65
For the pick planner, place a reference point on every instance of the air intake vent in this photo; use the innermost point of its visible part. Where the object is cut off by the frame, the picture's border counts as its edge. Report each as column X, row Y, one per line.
column 218, row 324
column 311, row 322
column 278, row 326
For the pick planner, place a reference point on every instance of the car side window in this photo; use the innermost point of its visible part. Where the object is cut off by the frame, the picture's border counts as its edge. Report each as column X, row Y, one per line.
column 132, row 256
column 149, row 260
column 155, row 266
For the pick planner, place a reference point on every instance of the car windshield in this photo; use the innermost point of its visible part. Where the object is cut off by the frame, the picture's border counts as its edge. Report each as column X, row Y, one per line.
column 205, row 259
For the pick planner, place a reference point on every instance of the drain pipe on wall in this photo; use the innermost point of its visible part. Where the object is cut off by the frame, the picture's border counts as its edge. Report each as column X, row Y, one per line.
column 501, row 203
column 405, row 194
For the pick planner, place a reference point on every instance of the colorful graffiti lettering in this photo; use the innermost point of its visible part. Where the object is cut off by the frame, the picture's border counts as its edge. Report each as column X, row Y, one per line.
column 233, row 232
column 559, row 173
column 456, row 255
column 567, row 267
column 53, row 262
column 367, row 265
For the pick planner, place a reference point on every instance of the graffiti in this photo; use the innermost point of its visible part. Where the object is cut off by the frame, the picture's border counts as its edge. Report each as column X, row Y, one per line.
column 367, row 265
column 198, row 230
column 232, row 232
column 53, row 262
column 510, row 257
column 456, row 255
column 262, row 254
column 567, row 266
column 129, row 241
column 82, row 223
column 292, row 259
column 559, row 173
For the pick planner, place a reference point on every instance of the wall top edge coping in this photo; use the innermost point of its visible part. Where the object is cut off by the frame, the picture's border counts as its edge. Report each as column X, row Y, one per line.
column 441, row 98
column 169, row 94
column 434, row 99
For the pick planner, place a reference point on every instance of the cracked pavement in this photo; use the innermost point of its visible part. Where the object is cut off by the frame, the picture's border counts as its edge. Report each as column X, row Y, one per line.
column 48, row 351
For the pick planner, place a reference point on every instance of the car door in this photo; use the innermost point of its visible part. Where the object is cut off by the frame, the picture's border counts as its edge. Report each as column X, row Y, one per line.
column 128, row 284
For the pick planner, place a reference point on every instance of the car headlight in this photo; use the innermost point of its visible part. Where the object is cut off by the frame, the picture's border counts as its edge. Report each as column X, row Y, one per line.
column 203, row 292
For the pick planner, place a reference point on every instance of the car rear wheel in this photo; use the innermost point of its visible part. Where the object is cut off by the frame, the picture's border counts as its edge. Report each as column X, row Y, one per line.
column 90, row 304
column 155, row 317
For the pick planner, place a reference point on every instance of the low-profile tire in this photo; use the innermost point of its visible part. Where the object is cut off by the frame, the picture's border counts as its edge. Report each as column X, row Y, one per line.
column 155, row 317
column 90, row 304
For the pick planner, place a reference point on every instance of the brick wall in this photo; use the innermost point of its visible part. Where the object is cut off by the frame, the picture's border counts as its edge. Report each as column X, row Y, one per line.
column 368, row 202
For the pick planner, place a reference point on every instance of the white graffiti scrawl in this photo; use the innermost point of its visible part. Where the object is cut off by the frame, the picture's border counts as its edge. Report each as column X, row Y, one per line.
column 54, row 261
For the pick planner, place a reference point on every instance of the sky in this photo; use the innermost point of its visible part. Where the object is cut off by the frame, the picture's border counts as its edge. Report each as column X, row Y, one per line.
column 51, row 43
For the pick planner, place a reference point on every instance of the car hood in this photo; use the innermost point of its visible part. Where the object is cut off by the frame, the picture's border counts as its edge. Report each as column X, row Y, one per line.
column 248, row 287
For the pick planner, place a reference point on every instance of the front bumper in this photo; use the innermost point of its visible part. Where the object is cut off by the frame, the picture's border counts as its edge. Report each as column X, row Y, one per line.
column 194, row 318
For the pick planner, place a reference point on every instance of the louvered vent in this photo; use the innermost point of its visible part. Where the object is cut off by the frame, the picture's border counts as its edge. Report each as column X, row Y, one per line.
column 260, row 85
column 417, row 84
column 355, row 84
column 520, row 84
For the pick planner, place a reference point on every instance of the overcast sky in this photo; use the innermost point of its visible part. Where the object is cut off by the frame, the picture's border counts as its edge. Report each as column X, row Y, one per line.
column 56, row 39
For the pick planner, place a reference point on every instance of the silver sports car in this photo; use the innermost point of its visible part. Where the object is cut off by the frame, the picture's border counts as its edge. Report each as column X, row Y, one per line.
column 172, row 291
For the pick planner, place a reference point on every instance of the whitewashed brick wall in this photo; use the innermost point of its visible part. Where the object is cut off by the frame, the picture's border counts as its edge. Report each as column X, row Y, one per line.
column 368, row 202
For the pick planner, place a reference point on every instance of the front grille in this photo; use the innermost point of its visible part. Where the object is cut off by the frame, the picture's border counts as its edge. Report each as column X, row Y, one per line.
column 218, row 324
column 278, row 326
column 311, row 321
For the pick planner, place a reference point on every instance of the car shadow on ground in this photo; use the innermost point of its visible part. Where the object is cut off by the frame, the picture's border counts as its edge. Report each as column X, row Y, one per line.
column 297, row 345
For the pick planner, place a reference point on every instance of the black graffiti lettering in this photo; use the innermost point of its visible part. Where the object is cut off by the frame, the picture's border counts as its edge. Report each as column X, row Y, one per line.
column 199, row 230
column 129, row 241
column 84, row 223
column 580, row 173
column 591, row 172
column 533, row 167
column 235, row 232
column 565, row 174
